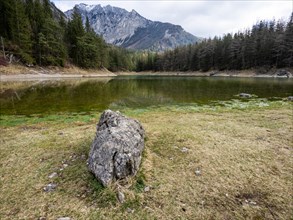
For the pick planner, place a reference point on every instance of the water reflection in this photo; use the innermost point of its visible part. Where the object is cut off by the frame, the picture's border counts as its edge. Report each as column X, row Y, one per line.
column 83, row 95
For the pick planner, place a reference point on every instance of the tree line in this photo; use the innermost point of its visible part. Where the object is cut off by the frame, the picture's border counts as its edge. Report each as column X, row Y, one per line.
column 32, row 32
column 267, row 44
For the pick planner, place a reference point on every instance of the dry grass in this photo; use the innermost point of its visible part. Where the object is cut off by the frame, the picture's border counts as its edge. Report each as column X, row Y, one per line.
column 244, row 158
column 244, row 161
column 13, row 69
column 233, row 73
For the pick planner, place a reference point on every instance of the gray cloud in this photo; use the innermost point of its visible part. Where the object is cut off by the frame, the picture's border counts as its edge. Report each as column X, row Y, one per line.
column 202, row 18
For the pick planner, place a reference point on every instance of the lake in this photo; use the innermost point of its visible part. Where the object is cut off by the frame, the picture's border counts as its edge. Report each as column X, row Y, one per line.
column 85, row 95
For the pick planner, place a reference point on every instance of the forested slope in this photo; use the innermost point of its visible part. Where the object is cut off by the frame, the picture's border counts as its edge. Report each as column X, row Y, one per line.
column 267, row 44
column 37, row 33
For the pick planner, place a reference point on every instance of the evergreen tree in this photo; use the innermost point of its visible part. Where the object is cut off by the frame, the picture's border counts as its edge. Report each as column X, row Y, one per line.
column 75, row 32
column 268, row 44
column 88, row 26
column 288, row 38
column 15, row 27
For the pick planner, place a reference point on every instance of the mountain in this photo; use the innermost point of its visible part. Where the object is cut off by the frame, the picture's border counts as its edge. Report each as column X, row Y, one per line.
column 131, row 30
column 57, row 13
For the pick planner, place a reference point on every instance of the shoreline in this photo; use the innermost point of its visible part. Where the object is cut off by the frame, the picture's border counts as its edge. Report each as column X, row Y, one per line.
column 29, row 77
column 22, row 73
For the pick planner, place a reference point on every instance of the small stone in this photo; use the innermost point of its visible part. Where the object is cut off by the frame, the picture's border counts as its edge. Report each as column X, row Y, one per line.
column 64, row 218
column 252, row 203
column 121, row 197
column 290, row 98
column 146, row 189
column 184, row 149
column 42, row 218
column 197, row 172
column 245, row 95
column 65, row 165
column 50, row 187
column 53, row 175
column 129, row 210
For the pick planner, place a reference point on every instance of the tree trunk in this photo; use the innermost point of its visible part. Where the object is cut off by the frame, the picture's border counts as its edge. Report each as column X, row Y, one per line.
column 3, row 47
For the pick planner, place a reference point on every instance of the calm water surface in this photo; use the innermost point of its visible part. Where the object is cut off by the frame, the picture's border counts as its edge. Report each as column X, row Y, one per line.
column 84, row 95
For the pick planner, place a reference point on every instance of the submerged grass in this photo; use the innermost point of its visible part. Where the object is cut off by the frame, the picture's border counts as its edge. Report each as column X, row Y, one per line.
column 242, row 153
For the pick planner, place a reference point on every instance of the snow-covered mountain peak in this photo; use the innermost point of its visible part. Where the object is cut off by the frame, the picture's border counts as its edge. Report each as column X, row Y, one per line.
column 130, row 30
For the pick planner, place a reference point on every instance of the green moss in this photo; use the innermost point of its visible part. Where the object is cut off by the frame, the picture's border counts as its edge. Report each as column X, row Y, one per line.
column 140, row 182
column 15, row 120
column 89, row 117
column 133, row 204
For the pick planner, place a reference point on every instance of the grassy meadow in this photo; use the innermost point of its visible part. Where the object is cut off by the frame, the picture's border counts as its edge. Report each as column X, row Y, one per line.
column 231, row 161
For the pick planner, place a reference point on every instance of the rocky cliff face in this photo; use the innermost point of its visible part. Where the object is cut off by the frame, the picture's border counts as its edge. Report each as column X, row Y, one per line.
column 131, row 30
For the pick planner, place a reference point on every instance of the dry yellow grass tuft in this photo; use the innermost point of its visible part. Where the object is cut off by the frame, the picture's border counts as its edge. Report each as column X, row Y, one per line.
column 43, row 72
column 13, row 69
column 231, row 164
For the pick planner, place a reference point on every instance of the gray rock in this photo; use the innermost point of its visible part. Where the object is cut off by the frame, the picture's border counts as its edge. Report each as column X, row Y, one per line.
column 184, row 150
column 121, row 197
column 64, row 218
column 117, row 148
column 147, row 189
column 197, row 172
column 53, row 175
column 129, row 210
column 50, row 187
column 290, row 98
column 213, row 73
column 252, row 203
column 245, row 95
column 283, row 73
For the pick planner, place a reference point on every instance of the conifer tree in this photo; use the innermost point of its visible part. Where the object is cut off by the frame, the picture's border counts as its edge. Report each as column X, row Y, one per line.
column 75, row 31
column 288, row 38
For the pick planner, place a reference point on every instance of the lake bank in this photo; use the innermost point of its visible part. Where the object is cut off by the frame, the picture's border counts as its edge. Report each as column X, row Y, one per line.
column 242, row 155
column 19, row 72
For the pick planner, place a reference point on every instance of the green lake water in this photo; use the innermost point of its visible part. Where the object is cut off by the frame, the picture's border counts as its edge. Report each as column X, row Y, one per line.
column 87, row 95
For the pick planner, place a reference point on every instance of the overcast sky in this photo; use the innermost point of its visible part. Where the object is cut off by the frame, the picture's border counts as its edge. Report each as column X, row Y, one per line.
column 201, row 18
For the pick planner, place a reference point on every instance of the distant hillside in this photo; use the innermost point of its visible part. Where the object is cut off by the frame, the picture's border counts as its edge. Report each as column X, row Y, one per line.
column 131, row 30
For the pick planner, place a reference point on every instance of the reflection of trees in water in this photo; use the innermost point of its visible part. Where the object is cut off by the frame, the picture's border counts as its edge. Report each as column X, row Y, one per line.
column 96, row 95
column 140, row 101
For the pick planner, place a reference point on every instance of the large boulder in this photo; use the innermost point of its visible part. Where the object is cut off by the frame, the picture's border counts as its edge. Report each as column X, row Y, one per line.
column 283, row 73
column 117, row 148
